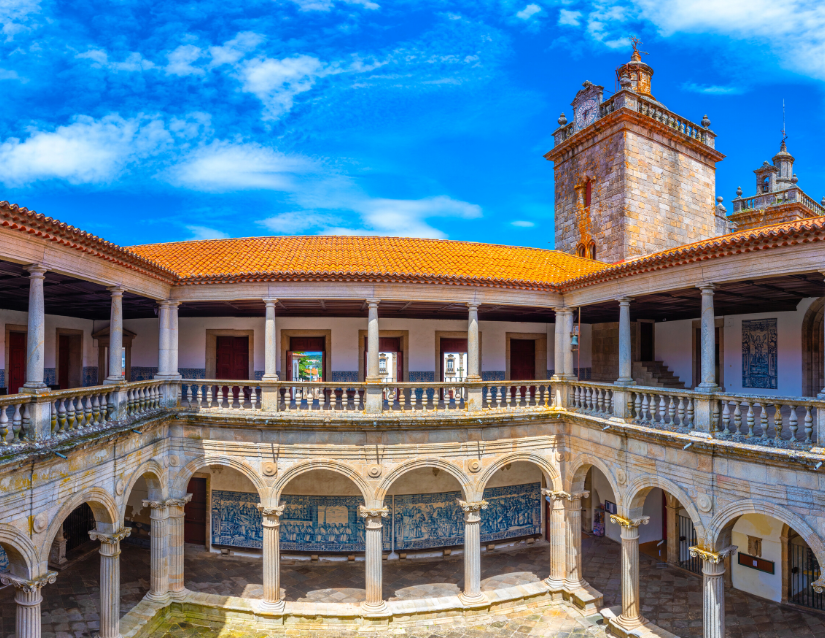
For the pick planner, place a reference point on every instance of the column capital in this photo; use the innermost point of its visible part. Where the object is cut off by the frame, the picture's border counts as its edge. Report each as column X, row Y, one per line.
column 178, row 502
column 26, row 585
column 469, row 506
column 556, row 495
column 110, row 539
column 707, row 288
column 819, row 585
column 473, row 305
column 37, row 271
column 270, row 515
column 624, row 301
column 168, row 303
column 270, row 301
column 710, row 556
column 117, row 290
column 373, row 512
column 372, row 302
column 629, row 522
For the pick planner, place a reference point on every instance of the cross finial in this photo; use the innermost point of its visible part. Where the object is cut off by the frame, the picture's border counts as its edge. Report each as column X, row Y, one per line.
column 637, row 55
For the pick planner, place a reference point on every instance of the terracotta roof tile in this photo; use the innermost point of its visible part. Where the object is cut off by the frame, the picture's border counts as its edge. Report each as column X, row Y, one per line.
column 366, row 258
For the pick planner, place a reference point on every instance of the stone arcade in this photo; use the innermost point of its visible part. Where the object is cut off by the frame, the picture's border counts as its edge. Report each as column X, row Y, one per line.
column 243, row 405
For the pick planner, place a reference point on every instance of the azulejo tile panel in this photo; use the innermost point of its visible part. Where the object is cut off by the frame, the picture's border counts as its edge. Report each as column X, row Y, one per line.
column 759, row 354
column 332, row 524
column 89, row 376
column 345, row 376
column 4, row 561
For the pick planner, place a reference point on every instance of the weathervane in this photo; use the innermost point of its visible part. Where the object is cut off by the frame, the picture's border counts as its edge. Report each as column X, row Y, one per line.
column 636, row 42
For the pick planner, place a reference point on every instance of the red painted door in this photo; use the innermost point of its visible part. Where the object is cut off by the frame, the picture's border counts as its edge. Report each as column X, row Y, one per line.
column 522, row 359
column 232, row 358
column 194, row 513
column 17, row 362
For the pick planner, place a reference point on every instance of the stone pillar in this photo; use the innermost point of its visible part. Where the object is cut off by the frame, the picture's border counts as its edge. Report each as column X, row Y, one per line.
column 569, row 372
column 57, row 555
column 28, row 598
column 174, row 545
column 164, row 340
column 713, row 589
column 631, row 616
column 374, row 394
column 672, row 513
column 159, row 572
column 558, row 347
column 115, row 338
column 173, row 340
column 36, row 337
column 573, row 543
column 558, row 539
column 270, row 342
column 708, row 331
column 474, row 394
column 374, row 603
column 272, row 559
column 110, row 580
column 625, row 359
column 472, row 596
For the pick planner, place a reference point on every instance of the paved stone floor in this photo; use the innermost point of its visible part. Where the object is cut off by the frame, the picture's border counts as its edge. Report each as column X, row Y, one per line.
column 670, row 598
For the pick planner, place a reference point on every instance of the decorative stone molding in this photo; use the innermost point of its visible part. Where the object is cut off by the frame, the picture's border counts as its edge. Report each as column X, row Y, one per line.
column 709, row 556
column 629, row 522
column 472, row 507
column 40, row 522
column 374, row 471
column 819, row 585
column 28, row 586
column 269, row 468
column 178, row 502
column 276, row 511
column 110, row 539
column 474, row 466
column 367, row 512
column 704, row 503
column 621, row 476
column 120, row 487
column 556, row 495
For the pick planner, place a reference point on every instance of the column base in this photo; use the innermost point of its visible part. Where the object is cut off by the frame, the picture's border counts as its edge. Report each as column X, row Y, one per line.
column 34, row 388
column 554, row 585
column 114, row 381
column 585, row 597
column 269, row 607
column 179, row 595
column 624, row 627
column 167, row 377
column 376, row 609
column 163, row 599
column 270, row 377
column 474, row 601
column 707, row 388
column 624, row 382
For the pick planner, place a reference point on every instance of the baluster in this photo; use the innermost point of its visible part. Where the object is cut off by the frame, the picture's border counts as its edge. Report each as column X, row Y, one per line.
column 104, row 409
column 70, row 414
column 396, row 403
column 777, row 423
column 95, row 410
column 737, row 419
column 4, row 425
column 726, row 417
column 53, row 416
column 689, row 414
column 153, row 396
column 680, row 411
column 503, row 397
column 763, row 420
column 793, row 423
column 715, row 416
column 16, row 424
column 750, row 419
column 600, row 401
column 662, row 410
column 61, row 415
column 637, row 408
column 809, row 424
column 130, row 402
column 195, row 393
column 576, row 401
column 671, row 411
column 141, row 400
column 644, row 409
column 81, row 421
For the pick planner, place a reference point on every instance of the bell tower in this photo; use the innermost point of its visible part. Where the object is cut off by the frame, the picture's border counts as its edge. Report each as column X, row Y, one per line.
column 631, row 176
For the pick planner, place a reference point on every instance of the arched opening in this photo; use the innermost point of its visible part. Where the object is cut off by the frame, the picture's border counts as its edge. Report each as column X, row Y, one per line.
column 591, row 250
column 581, row 250
column 813, row 346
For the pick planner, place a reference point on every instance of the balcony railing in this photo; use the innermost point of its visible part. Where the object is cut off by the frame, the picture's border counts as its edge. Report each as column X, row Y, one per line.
column 774, row 198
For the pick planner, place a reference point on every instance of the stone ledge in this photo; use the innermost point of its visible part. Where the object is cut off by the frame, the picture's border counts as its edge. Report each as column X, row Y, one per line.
column 646, row 630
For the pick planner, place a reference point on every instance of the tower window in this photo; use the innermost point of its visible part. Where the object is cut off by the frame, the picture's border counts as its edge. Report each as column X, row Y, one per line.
column 766, row 184
column 591, row 250
column 580, row 250
column 588, row 192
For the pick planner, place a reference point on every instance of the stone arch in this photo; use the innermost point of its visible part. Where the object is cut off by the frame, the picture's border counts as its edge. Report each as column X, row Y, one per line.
column 551, row 474
column 719, row 529
column 415, row 464
column 640, row 487
column 104, row 508
column 181, row 480
column 578, row 469
column 813, row 348
column 331, row 466
column 156, row 480
column 22, row 555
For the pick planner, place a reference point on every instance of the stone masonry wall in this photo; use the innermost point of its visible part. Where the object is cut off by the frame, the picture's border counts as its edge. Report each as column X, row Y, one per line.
column 605, row 350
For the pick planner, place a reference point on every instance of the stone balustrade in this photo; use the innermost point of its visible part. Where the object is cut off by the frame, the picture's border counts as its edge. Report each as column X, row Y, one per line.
column 774, row 198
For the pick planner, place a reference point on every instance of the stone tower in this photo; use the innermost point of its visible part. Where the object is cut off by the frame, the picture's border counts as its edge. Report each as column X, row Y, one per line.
column 631, row 176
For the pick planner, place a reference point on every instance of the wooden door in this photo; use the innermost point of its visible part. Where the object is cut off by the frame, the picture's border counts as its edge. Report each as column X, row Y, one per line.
column 522, row 359
column 64, row 347
column 232, row 358
column 194, row 513
column 17, row 362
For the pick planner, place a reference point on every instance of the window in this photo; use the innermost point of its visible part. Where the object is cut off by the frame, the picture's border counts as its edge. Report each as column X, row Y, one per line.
column 588, row 192
column 382, row 364
column 591, row 250
column 766, row 184
column 580, row 250
column 450, row 364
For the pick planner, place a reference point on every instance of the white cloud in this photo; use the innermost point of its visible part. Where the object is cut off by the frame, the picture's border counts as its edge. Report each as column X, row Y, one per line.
column 528, row 12
column 277, row 82
column 17, row 16
column 235, row 49
column 181, row 59
column 711, row 89
column 570, row 18
column 133, row 62
column 297, row 222
column 326, row 5
column 522, row 224
column 204, row 232
column 87, row 151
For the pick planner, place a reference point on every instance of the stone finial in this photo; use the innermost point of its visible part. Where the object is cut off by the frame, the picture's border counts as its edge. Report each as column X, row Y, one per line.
column 794, row 179
column 719, row 199
column 822, row 201
column 705, row 121
column 739, row 191
column 562, row 120
column 625, row 82
column 720, row 210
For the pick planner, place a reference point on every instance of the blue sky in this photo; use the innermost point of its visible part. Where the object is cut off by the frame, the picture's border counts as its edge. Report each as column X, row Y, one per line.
column 147, row 122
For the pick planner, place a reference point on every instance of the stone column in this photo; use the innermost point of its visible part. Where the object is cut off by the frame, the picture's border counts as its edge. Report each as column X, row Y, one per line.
column 625, row 360
column 569, row 372
column 573, row 542
column 110, row 580
column 374, row 604
column 558, row 347
column 270, row 342
column 115, row 338
column 159, row 572
column 474, row 394
column 713, row 589
column 174, row 545
column 164, row 340
column 272, row 559
column 36, row 337
column 672, row 513
column 374, row 394
column 28, row 598
column 631, row 616
column 174, row 339
column 472, row 595
column 558, row 539
column 708, row 331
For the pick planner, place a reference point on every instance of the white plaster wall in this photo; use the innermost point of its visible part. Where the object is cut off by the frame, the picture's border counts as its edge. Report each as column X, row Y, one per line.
column 652, row 508
column 750, row 580
column 145, row 343
column 673, row 345
column 601, row 492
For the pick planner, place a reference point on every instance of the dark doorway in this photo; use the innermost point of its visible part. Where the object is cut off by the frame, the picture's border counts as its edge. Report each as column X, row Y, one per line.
column 232, row 358
column 194, row 513
column 77, row 526
column 646, row 341
column 522, row 359
column 17, row 362
column 69, row 361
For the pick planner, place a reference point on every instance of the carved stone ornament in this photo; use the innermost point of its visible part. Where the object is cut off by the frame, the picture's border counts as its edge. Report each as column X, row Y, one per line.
column 562, row 456
column 704, row 503
column 269, row 468
column 374, row 471
column 40, row 522
column 712, row 557
column 556, row 495
column 178, row 502
column 819, row 585
column 474, row 466
column 174, row 461
column 270, row 511
column 120, row 487
column 154, row 504
column 472, row 507
column 110, row 539
column 372, row 512
column 621, row 476
column 629, row 522
column 28, row 586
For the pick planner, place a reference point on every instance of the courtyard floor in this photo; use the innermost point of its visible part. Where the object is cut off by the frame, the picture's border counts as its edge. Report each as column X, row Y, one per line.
column 670, row 597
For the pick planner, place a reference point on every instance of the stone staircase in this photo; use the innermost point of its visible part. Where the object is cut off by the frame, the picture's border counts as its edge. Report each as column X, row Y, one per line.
column 655, row 374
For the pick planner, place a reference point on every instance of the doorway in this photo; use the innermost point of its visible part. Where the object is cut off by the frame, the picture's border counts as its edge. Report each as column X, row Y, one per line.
column 522, row 359
column 306, row 359
column 69, row 359
column 194, row 513
column 232, row 358
column 17, row 361
column 646, row 341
